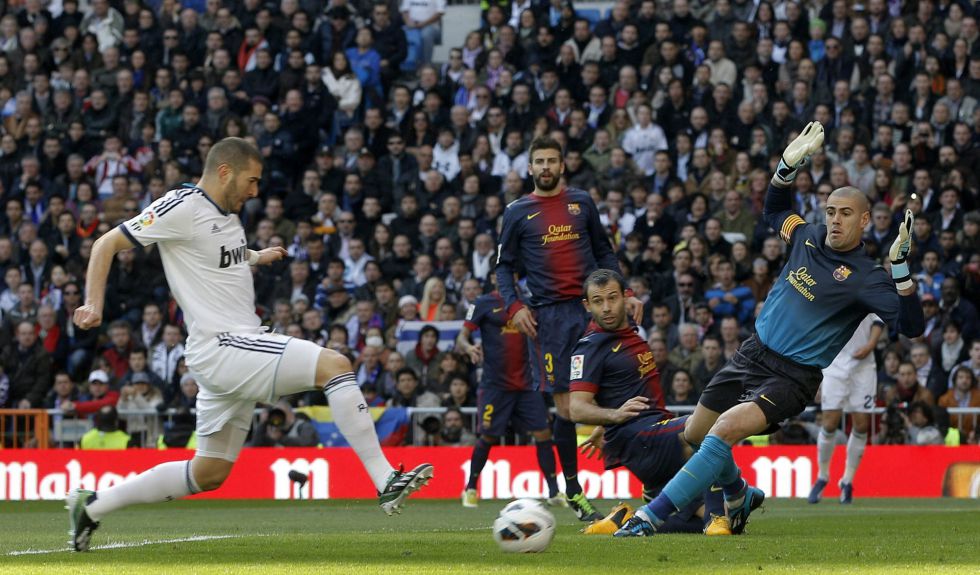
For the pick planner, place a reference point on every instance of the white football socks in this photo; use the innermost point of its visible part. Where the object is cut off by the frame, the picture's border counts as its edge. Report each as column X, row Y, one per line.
column 825, row 451
column 353, row 418
column 165, row 482
column 856, row 443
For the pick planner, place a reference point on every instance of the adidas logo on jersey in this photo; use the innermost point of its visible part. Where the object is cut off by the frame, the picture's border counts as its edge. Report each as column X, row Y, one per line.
column 233, row 256
column 215, row 229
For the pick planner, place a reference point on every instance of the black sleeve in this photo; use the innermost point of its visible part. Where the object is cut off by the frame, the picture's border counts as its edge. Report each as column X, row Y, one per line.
column 911, row 320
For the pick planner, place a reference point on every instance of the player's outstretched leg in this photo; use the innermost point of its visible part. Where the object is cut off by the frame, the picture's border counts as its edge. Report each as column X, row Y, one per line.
column 165, row 482
column 335, row 377
column 712, row 463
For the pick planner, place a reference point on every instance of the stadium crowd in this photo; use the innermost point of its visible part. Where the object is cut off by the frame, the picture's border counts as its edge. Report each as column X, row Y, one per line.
column 386, row 175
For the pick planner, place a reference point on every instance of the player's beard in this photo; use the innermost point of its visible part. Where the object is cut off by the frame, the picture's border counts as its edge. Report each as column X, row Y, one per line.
column 550, row 186
column 231, row 197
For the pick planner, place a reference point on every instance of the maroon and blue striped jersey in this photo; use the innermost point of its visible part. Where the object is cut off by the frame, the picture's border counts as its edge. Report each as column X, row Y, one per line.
column 558, row 240
column 616, row 366
column 505, row 353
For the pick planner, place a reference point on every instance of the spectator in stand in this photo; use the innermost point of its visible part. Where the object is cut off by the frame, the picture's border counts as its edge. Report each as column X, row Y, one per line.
column 139, row 394
column 682, row 391
column 116, row 353
column 27, row 368
column 98, row 395
column 963, row 393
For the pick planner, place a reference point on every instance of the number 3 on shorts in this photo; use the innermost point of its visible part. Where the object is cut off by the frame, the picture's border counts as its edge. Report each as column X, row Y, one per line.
column 549, row 364
column 487, row 414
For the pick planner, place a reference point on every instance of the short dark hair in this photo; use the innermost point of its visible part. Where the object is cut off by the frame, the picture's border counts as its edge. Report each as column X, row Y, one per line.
column 544, row 143
column 235, row 152
column 406, row 370
column 600, row 278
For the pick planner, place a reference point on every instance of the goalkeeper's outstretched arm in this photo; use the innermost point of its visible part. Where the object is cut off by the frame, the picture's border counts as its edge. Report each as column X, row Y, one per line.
column 778, row 211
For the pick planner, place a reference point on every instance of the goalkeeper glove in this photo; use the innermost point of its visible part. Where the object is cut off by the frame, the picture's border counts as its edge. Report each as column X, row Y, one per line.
column 900, row 251
column 795, row 155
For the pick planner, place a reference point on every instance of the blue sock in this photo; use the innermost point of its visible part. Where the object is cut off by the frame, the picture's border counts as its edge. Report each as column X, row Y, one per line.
column 732, row 489
column 481, row 451
column 694, row 478
column 546, row 461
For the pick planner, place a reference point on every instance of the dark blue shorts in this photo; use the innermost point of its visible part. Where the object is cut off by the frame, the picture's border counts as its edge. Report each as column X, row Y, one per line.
column 496, row 408
column 560, row 326
column 651, row 448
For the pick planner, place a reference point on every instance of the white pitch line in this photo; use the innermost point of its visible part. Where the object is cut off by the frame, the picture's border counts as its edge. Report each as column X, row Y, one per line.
column 130, row 544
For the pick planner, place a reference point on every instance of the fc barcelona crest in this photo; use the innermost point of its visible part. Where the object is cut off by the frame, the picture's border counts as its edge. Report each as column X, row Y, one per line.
column 842, row 273
column 574, row 209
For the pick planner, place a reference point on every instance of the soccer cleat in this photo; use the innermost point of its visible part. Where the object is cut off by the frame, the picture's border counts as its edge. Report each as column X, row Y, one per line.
column 81, row 525
column 636, row 526
column 846, row 493
column 609, row 524
column 558, row 500
column 583, row 508
column 401, row 484
column 817, row 492
column 719, row 525
column 739, row 516
column 470, row 498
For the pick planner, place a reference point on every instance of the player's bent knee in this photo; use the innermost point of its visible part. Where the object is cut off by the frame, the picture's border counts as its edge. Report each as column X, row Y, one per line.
column 329, row 365
column 209, row 472
column 739, row 423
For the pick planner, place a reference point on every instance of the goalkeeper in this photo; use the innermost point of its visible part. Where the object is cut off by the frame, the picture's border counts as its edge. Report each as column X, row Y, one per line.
column 826, row 288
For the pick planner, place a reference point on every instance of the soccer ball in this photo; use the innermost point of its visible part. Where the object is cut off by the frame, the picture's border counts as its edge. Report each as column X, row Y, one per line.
column 524, row 526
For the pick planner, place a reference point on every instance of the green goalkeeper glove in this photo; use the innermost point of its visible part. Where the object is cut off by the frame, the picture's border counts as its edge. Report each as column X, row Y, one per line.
column 795, row 155
column 900, row 251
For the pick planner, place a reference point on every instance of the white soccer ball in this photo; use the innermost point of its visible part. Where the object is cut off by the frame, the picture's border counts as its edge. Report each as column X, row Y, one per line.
column 524, row 526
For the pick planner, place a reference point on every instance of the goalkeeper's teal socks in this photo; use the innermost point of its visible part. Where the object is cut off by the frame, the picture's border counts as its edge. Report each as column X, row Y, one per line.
column 713, row 462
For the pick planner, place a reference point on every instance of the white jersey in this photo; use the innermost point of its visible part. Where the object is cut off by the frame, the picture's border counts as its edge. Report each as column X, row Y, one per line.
column 643, row 144
column 844, row 365
column 205, row 258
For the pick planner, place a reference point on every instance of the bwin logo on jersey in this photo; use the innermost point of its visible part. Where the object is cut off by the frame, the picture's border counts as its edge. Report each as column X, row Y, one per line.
column 233, row 256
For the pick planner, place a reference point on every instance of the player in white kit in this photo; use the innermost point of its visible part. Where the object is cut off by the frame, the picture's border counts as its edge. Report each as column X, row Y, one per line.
column 850, row 383
column 207, row 264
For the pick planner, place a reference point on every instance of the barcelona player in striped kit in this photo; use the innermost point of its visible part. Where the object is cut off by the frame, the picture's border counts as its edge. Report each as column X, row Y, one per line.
column 507, row 393
column 555, row 234
column 615, row 385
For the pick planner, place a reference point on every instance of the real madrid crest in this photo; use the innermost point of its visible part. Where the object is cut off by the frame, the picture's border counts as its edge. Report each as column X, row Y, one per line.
column 574, row 209
column 842, row 273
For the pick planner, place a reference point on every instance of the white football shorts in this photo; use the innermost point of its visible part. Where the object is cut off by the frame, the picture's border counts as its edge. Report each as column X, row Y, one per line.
column 235, row 371
column 852, row 392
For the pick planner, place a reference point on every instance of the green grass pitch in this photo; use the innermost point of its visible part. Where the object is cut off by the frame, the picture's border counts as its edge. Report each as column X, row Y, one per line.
column 354, row 538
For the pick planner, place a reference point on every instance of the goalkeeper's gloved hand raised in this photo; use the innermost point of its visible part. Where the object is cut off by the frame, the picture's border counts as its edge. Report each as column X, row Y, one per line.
column 794, row 156
column 900, row 251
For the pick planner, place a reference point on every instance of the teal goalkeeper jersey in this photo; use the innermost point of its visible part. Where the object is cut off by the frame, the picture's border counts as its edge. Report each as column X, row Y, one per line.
column 821, row 295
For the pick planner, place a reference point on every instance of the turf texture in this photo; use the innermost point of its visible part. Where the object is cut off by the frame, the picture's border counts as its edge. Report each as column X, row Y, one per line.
column 355, row 537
